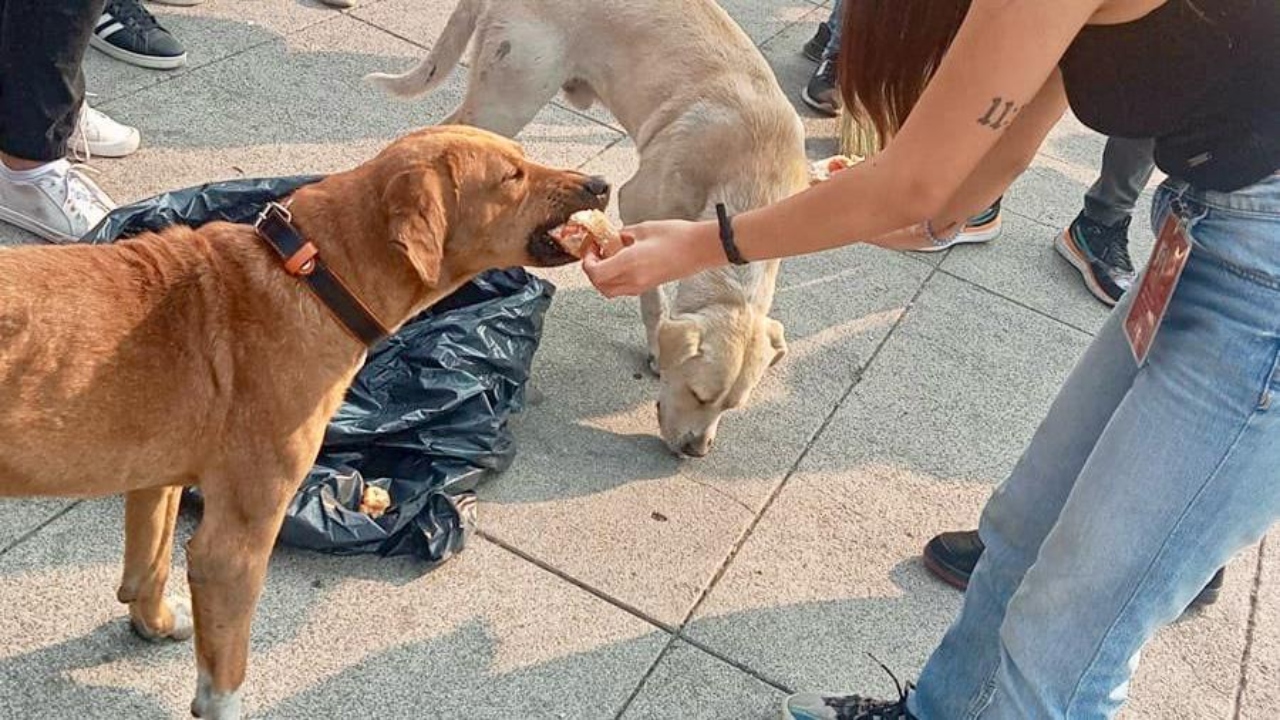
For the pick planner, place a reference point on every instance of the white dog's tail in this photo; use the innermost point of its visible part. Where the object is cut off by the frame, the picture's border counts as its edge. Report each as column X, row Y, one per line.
column 440, row 61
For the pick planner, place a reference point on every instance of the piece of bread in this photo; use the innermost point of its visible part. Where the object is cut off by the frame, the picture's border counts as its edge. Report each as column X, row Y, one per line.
column 822, row 170
column 375, row 501
column 587, row 227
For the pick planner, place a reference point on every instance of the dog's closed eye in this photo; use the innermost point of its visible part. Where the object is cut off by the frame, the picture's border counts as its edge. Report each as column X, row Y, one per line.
column 514, row 176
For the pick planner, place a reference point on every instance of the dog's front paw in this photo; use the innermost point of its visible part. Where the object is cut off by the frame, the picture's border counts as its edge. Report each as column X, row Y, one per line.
column 175, row 622
column 212, row 705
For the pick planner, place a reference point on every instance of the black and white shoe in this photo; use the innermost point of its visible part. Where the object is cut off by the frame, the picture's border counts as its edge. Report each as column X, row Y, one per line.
column 817, row 44
column 1101, row 255
column 128, row 32
column 821, row 92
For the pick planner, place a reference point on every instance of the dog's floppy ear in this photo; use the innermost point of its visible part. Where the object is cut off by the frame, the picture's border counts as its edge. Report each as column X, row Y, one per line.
column 678, row 340
column 778, row 339
column 417, row 221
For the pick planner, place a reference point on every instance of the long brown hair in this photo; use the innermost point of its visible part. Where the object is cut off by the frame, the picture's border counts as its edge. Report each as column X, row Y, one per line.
column 888, row 52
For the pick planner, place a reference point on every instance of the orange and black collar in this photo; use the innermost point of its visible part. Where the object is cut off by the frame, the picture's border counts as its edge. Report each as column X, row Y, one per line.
column 302, row 260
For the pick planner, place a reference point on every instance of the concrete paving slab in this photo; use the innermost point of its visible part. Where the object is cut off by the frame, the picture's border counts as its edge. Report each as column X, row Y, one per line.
column 298, row 106
column 608, row 507
column 1023, row 266
column 596, row 494
column 1193, row 667
column 957, row 391
column 19, row 517
column 412, row 20
column 1260, row 698
column 488, row 636
column 832, row 570
column 211, row 32
column 762, row 19
column 692, row 685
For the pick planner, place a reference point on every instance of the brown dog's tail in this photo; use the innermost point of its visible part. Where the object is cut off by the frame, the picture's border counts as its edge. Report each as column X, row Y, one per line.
column 440, row 61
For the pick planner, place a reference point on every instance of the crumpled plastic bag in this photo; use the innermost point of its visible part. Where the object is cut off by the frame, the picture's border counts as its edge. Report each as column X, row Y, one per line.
column 425, row 419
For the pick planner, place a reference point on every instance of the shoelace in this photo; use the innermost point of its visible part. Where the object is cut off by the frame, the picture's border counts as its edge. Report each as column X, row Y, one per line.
column 1115, row 252
column 132, row 15
column 1109, row 244
column 855, row 707
column 79, row 191
column 82, row 132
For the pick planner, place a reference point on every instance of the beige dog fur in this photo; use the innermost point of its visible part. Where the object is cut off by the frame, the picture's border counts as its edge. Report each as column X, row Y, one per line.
column 710, row 125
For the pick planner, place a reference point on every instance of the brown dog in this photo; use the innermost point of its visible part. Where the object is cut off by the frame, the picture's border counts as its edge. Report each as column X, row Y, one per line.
column 193, row 358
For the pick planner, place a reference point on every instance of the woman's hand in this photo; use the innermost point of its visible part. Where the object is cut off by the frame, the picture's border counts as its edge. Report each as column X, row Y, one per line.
column 656, row 252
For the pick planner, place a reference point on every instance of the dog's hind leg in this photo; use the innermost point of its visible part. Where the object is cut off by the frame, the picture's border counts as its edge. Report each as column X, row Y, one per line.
column 516, row 70
column 149, row 517
column 226, row 566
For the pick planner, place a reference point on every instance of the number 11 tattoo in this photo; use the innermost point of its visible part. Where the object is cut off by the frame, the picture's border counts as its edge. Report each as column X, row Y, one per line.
column 1000, row 114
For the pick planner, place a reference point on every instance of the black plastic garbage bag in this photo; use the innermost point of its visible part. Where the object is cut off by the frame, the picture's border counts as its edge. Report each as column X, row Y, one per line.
column 425, row 419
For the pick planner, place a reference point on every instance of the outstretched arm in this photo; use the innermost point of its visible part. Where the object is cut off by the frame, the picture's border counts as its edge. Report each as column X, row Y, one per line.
column 1003, row 57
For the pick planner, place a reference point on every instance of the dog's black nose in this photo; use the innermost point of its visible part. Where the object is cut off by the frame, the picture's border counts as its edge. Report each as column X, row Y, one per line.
column 696, row 448
column 597, row 186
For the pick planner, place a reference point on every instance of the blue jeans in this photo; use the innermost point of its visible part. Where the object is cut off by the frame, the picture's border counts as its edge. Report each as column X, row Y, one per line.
column 834, row 23
column 1140, row 483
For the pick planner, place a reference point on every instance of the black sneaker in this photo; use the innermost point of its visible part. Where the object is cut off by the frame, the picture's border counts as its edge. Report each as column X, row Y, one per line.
column 1101, row 254
column 819, row 706
column 952, row 556
column 128, row 32
column 821, row 93
column 817, row 44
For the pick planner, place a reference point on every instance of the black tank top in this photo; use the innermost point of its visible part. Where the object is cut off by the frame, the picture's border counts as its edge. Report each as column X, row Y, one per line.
column 1202, row 77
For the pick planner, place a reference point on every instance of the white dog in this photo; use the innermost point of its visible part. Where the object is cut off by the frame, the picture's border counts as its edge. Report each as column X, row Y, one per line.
column 710, row 124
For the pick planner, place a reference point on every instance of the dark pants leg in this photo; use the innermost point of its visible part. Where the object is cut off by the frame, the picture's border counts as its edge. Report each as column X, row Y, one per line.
column 1126, row 168
column 42, row 43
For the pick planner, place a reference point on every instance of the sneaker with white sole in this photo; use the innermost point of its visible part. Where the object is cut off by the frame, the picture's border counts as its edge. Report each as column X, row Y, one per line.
column 826, row 706
column 983, row 227
column 821, row 93
column 97, row 135
column 129, row 32
column 1100, row 253
column 58, row 202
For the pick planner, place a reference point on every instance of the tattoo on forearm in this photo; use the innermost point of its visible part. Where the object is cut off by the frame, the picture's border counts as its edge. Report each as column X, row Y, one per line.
column 1000, row 114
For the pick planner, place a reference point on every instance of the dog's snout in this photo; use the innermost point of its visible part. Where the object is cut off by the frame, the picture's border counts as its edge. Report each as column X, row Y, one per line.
column 597, row 187
column 698, row 447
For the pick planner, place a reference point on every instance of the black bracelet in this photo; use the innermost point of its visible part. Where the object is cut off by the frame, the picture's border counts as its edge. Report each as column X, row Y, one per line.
column 726, row 236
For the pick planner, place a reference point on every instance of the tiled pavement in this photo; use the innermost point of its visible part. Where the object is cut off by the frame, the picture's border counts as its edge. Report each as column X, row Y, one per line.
column 614, row 581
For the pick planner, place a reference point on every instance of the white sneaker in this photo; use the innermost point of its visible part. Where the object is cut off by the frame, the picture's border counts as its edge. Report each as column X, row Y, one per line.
column 97, row 135
column 59, row 203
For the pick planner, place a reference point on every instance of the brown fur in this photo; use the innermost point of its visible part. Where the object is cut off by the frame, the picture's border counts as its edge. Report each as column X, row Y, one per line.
column 190, row 357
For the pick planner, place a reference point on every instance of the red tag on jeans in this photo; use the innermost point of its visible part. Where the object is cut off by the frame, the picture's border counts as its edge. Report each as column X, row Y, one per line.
column 1158, row 283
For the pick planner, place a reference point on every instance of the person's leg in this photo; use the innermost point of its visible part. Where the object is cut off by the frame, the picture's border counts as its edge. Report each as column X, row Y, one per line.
column 835, row 24
column 1182, row 478
column 42, row 43
column 1127, row 165
column 1097, row 241
column 1015, row 521
column 821, row 93
column 1018, row 516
